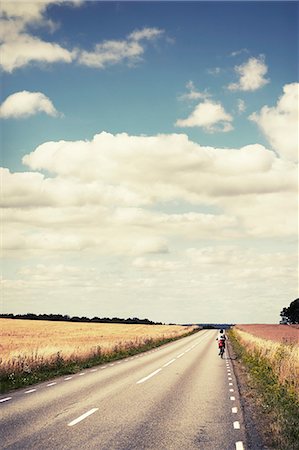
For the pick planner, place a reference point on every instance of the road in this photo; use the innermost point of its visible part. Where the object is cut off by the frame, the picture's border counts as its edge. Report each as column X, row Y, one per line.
column 181, row 396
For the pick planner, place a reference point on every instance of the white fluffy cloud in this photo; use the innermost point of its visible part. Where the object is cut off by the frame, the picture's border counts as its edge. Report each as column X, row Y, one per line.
column 103, row 195
column 129, row 50
column 209, row 115
column 129, row 207
column 251, row 75
column 163, row 167
column 19, row 47
column 24, row 104
column 280, row 123
column 25, row 49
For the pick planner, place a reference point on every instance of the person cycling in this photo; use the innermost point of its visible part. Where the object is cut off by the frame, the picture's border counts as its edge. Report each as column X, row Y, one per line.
column 221, row 341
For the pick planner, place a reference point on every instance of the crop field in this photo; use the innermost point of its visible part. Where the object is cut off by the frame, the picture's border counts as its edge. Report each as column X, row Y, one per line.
column 270, row 354
column 46, row 338
column 287, row 334
column 279, row 346
column 31, row 347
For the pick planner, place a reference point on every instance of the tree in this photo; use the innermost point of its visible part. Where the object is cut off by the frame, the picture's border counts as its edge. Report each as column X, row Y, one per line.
column 291, row 314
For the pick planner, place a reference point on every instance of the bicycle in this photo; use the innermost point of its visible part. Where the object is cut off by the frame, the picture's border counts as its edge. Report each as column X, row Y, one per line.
column 221, row 351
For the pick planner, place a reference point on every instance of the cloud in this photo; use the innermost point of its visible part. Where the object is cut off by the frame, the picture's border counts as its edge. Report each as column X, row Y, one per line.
column 145, row 34
column 25, row 49
column 209, row 115
column 239, row 52
column 139, row 211
column 241, row 105
column 104, row 196
column 25, row 104
column 215, row 71
column 18, row 47
column 193, row 94
column 251, row 75
column 280, row 123
column 162, row 167
column 112, row 52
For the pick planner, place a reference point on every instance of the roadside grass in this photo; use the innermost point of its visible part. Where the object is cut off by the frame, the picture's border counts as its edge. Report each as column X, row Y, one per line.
column 273, row 372
column 26, row 369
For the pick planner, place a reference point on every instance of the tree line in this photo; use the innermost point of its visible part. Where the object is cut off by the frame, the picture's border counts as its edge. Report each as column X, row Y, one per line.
column 66, row 318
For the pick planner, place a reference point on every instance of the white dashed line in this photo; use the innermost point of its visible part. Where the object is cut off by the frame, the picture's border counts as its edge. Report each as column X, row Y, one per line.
column 230, row 378
column 230, row 384
column 180, row 355
column 105, row 367
column 81, row 374
column 169, row 362
column 149, row 376
column 68, row 378
column 234, row 410
column 237, row 425
column 51, row 384
column 79, row 419
column 29, row 392
column 239, row 445
column 5, row 399
column 233, row 398
column 231, row 390
column 94, row 370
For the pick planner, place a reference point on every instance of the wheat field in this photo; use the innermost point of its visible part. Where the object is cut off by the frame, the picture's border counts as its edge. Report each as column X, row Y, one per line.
column 29, row 345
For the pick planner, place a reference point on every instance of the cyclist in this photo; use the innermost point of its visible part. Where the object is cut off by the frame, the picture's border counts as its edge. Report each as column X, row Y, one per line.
column 221, row 341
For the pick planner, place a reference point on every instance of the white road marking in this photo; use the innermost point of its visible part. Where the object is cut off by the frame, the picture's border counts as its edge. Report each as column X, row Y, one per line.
column 5, row 399
column 234, row 410
column 230, row 384
column 230, row 378
column 81, row 374
column 149, row 376
column 68, row 378
column 111, row 365
column 239, row 445
column 51, row 384
column 105, row 367
column 169, row 362
column 231, row 390
column 94, row 370
column 237, row 425
column 79, row 419
column 29, row 392
column 233, row 398
column 180, row 355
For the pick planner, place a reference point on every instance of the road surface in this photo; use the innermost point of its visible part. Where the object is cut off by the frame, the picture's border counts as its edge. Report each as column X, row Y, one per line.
column 181, row 396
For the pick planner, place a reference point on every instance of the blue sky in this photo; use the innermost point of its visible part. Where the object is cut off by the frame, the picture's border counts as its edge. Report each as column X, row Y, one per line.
column 150, row 159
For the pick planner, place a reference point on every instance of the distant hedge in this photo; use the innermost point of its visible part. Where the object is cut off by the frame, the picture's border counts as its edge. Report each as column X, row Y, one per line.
column 66, row 318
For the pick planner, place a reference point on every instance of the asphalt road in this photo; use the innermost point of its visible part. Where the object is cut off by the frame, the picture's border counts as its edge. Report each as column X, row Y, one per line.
column 181, row 396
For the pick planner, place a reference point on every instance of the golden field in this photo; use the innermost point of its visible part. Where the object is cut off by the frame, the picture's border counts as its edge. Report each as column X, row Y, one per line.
column 27, row 345
column 282, row 357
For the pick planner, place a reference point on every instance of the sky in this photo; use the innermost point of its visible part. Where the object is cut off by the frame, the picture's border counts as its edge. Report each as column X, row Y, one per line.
column 149, row 162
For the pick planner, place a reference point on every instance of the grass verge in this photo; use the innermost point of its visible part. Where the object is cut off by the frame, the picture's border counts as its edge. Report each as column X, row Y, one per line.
column 64, row 366
column 278, row 401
